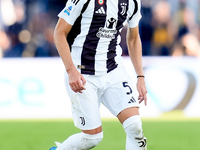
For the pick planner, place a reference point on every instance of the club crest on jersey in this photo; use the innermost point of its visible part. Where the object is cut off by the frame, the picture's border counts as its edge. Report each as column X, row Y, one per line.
column 123, row 6
column 68, row 10
column 101, row 2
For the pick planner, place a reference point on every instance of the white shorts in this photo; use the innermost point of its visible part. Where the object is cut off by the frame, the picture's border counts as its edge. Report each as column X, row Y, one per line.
column 114, row 90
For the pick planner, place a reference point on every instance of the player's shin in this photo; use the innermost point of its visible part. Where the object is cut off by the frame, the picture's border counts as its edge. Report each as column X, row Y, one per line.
column 135, row 139
column 81, row 141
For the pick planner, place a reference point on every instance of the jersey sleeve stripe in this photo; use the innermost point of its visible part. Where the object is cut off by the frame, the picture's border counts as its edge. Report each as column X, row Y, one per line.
column 135, row 10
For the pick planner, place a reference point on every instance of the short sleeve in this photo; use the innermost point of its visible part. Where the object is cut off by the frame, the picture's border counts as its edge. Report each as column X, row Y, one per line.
column 134, row 21
column 71, row 11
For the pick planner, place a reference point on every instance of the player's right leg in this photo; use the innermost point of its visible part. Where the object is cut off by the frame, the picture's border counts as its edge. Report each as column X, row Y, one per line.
column 83, row 140
column 85, row 111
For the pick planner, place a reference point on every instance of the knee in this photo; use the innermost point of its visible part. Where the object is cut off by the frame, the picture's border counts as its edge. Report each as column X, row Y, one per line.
column 133, row 126
column 133, row 129
column 93, row 139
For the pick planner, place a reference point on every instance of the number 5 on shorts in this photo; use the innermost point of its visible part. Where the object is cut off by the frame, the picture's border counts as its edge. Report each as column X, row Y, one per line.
column 125, row 84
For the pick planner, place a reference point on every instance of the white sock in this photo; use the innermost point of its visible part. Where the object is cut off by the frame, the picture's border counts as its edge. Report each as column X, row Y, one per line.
column 135, row 139
column 81, row 141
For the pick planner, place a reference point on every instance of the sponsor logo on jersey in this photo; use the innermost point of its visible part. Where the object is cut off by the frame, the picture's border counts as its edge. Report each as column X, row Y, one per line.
column 111, row 23
column 68, row 10
column 100, row 11
column 109, row 31
column 123, row 6
column 101, row 2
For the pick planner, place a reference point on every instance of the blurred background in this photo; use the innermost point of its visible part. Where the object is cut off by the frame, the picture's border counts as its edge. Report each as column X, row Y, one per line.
column 31, row 72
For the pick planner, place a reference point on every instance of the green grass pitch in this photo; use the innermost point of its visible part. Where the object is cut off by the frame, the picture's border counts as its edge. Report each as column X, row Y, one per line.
column 41, row 134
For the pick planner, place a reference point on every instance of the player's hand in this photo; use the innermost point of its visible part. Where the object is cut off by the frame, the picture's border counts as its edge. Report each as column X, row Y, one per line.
column 76, row 80
column 141, row 87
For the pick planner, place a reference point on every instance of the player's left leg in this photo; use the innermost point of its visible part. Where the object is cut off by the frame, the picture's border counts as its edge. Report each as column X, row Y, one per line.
column 132, row 124
column 120, row 99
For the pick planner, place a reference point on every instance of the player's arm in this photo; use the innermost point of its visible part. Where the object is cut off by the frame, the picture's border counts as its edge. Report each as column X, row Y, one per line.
column 135, row 53
column 76, row 80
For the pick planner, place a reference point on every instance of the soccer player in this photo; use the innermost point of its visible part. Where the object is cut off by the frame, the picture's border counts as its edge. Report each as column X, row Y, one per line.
column 94, row 69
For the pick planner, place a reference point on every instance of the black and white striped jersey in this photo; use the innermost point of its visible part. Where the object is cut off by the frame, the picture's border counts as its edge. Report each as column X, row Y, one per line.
column 95, row 36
